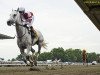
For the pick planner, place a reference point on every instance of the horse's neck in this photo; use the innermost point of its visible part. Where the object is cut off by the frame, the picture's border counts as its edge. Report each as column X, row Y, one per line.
column 20, row 30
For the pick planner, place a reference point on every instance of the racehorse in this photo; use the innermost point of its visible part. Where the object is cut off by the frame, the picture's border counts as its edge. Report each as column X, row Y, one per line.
column 24, row 40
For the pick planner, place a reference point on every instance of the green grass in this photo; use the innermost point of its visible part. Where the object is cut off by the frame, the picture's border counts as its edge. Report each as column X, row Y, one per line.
column 53, row 70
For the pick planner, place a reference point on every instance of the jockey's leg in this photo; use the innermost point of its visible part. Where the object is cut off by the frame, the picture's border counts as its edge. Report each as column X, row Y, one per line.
column 33, row 35
column 33, row 32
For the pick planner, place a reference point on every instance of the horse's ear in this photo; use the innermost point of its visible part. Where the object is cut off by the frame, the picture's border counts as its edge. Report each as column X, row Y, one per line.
column 17, row 8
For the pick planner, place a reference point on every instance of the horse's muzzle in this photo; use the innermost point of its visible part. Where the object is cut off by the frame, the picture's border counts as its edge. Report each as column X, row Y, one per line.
column 9, row 23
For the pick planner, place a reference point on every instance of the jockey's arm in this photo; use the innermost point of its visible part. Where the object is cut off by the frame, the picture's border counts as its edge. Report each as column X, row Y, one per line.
column 29, row 22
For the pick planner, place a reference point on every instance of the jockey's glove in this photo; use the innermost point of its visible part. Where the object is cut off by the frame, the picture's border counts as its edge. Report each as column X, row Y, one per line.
column 25, row 25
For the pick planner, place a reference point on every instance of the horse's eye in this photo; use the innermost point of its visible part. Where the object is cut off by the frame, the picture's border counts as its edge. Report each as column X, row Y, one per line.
column 14, row 15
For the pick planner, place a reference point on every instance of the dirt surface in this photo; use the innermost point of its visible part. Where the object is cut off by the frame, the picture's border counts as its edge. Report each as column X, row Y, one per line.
column 52, row 70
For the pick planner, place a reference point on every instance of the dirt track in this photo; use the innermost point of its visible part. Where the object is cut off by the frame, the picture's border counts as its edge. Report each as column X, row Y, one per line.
column 65, row 70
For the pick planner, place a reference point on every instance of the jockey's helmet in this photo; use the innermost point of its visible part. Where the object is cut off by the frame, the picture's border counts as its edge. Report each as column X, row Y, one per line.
column 21, row 10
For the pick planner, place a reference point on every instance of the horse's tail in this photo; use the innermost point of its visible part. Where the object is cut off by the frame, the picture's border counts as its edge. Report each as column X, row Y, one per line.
column 44, row 45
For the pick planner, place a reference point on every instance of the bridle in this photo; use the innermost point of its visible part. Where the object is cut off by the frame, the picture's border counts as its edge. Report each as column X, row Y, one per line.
column 23, row 34
column 15, row 23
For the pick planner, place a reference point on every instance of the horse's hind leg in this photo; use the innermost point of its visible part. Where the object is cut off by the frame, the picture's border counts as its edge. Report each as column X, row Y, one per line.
column 34, row 56
column 39, row 47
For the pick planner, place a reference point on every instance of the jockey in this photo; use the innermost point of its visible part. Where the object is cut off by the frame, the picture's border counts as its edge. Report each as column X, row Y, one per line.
column 27, row 20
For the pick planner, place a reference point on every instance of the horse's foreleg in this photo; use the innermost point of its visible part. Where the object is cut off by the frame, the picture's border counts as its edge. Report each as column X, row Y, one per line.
column 28, row 50
column 23, row 55
column 29, row 56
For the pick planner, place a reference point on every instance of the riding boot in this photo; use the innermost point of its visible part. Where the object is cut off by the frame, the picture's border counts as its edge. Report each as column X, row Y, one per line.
column 34, row 32
column 32, row 36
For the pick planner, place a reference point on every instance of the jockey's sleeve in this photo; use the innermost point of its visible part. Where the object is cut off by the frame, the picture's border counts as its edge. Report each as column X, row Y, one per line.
column 30, row 21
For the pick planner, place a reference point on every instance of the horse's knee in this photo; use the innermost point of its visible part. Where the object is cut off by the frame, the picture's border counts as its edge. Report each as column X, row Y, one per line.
column 27, row 57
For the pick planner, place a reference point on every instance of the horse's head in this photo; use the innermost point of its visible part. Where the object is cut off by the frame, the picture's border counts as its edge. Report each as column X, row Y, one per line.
column 13, row 17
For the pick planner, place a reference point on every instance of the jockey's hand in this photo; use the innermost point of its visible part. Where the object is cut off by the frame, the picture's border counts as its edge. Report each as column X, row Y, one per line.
column 25, row 25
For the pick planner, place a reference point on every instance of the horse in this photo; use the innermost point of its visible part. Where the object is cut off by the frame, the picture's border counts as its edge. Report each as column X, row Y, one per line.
column 24, row 40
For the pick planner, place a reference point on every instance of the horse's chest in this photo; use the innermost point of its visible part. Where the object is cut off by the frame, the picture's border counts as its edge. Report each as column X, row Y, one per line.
column 23, row 42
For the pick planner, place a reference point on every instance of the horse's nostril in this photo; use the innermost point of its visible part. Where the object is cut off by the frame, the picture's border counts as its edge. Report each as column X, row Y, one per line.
column 8, row 22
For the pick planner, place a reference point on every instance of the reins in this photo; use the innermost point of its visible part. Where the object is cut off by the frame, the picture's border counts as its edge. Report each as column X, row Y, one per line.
column 22, row 26
column 23, row 34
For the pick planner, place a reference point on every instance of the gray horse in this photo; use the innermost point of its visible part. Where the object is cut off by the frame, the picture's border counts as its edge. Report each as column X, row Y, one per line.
column 24, row 40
